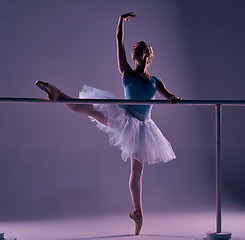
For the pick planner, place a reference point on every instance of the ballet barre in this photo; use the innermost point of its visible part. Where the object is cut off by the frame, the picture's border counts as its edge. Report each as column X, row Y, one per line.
column 218, row 104
column 125, row 101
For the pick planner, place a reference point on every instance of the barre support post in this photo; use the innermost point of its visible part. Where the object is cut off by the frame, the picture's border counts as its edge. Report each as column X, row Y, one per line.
column 218, row 234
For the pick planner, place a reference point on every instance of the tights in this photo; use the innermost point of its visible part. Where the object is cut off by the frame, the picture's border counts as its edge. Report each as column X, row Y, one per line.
column 135, row 182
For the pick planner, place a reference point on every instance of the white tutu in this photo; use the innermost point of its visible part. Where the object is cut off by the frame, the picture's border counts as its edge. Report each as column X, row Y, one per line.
column 139, row 139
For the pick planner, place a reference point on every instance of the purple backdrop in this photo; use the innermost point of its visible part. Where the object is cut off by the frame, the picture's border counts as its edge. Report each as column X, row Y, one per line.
column 55, row 163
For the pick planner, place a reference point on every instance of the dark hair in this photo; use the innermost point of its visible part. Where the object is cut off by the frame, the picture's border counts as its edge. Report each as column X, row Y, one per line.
column 149, row 48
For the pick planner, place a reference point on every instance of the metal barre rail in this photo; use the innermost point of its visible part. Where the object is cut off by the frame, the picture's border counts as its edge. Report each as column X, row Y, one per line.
column 124, row 101
column 218, row 110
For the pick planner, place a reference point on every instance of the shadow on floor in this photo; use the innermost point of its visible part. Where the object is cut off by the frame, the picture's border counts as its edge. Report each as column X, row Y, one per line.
column 102, row 237
column 145, row 236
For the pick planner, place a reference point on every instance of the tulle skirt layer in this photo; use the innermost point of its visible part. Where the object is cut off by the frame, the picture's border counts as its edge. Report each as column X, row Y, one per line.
column 136, row 135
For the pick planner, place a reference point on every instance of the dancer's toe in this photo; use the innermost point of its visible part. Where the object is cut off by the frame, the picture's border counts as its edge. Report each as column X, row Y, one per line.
column 137, row 217
column 40, row 83
column 54, row 93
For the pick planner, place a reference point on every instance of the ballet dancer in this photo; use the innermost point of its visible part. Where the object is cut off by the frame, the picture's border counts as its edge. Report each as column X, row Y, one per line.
column 129, row 127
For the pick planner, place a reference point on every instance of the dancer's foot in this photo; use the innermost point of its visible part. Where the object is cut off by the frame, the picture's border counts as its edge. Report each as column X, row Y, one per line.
column 138, row 218
column 54, row 93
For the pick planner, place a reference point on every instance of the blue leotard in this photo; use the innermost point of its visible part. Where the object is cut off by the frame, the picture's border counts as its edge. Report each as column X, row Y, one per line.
column 136, row 88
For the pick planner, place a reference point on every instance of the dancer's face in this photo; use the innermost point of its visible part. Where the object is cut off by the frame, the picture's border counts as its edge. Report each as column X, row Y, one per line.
column 141, row 52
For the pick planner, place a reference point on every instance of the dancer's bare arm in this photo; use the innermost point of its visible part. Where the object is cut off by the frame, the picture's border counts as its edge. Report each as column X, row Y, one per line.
column 123, row 65
column 161, row 88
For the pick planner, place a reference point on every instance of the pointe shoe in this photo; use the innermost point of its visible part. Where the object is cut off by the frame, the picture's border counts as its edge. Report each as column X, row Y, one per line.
column 137, row 217
column 54, row 93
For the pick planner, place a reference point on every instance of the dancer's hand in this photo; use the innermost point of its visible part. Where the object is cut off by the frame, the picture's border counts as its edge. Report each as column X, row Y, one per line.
column 173, row 99
column 126, row 16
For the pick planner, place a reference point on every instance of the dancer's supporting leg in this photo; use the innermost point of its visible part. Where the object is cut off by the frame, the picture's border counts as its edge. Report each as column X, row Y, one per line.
column 135, row 186
column 135, row 182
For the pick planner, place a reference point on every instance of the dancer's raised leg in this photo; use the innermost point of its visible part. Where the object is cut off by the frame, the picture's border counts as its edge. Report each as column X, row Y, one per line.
column 88, row 110
column 55, row 94
column 135, row 186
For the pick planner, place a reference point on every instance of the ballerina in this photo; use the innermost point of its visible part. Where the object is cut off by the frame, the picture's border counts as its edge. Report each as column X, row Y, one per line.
column 129, row 127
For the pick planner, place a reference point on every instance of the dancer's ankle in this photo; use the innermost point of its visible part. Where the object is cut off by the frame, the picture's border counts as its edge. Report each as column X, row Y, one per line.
column 138, row 209
column 66, row 97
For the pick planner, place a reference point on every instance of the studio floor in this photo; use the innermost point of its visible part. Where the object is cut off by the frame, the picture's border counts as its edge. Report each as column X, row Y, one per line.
column 165, row 226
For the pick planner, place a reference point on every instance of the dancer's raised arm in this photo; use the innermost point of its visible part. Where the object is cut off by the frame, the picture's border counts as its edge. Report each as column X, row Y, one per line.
column 123, row 65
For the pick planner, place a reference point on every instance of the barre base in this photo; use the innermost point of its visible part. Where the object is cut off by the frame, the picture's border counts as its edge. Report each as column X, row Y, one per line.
column 3, row 238
column 218, row 236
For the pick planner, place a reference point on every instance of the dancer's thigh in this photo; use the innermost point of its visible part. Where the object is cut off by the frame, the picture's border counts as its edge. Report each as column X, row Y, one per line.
column 136, row 168
column 92, row 112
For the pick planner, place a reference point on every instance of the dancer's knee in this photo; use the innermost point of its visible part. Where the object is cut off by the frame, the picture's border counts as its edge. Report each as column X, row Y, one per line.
column 136, row 175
